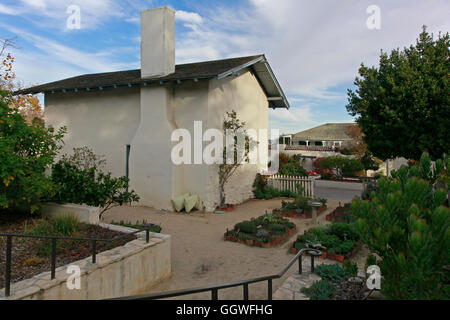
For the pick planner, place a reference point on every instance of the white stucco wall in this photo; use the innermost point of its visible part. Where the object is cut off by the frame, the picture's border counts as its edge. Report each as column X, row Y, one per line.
column 105, row 121
column 151, row 174
column 145, row 118
column 244, row 95
column 190, row 105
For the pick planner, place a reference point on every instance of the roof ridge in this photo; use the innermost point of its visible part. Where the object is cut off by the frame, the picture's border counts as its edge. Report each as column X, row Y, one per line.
column 180, row 64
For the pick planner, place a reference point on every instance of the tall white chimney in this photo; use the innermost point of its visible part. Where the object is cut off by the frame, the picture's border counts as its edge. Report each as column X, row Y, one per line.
column 157, row 42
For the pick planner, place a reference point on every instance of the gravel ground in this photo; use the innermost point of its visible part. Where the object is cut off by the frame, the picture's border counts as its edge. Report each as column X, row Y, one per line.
column 201, row 257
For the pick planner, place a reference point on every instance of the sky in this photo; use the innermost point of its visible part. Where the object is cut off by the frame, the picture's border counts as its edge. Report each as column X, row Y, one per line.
column 314, row 47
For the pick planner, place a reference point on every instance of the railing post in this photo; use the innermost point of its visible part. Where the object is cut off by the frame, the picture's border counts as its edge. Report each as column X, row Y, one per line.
column 53, row 259
column 246, row 291
column 214, row 294
column 312, row 263
column 94, row 251
column 269, row 289
column 300, row 268
column 8, row 266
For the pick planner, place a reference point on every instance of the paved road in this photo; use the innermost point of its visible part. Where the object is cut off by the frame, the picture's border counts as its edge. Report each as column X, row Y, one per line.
column 336, row 194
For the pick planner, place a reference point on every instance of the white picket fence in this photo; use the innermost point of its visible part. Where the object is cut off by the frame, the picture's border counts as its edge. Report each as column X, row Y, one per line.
column 290, row 182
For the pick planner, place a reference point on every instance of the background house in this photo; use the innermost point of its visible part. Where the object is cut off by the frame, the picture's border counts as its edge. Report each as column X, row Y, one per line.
column 323, row 141
column 327, row 135
column 129, row 116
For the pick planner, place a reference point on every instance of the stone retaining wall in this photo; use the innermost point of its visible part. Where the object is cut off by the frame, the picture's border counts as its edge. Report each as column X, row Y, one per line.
column 127, row 270
column 84, row 214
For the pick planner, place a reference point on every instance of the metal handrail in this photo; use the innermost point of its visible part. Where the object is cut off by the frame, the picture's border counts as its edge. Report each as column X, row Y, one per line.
column 215, row 288
column 93, row 241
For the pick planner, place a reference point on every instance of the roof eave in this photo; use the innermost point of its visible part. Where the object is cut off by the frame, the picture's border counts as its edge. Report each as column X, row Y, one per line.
column 275, row 102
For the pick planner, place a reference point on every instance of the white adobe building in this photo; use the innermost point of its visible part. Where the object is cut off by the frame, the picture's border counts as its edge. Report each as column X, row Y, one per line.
column 129, row 116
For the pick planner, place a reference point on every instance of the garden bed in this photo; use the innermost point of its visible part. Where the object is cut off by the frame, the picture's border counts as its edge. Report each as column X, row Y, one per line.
column 300, row 207
column 31, row 257
column 266, row 231
column 306, row 214
column 340, row 214
column 338, row 241
column 338, row 284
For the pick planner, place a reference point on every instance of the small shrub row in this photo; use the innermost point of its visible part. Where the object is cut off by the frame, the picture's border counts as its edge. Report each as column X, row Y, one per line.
column 337, row 240
column 333, row 281
column 268, row 229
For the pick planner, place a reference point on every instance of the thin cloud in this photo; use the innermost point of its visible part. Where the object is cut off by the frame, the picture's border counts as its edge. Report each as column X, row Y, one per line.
column 190, row 17
column 8, row 10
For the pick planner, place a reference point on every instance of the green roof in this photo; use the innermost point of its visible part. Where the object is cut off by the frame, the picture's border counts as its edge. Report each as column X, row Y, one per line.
column 326, row 132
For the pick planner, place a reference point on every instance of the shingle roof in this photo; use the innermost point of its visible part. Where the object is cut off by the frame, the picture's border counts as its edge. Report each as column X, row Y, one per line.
column 191, row 71
column 326, row 132
column 201, row 70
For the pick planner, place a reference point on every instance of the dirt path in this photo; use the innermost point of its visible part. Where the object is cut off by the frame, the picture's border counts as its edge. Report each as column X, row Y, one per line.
column 201, row 257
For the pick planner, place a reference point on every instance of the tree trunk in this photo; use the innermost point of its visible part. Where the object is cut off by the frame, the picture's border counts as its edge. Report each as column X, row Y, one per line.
column 222, row 195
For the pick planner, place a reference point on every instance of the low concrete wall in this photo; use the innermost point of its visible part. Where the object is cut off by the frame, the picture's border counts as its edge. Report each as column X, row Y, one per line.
column 128, row 270
column 84, row 214
column 338, row 185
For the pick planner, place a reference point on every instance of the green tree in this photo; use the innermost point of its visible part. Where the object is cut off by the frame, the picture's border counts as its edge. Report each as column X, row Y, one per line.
column 344, row 167
column 26, row 152
column 402, row 106
column 405, row 224
column 80, row 179
column 232, row 125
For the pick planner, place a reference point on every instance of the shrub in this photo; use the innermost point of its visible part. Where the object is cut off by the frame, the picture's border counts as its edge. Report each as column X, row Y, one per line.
column 288, row 205
column 369, row 189
column 65, row 225
column 330, row 241
column 307, row 237
column 343, row 166
column 332, row 272
column 261, row 189
column 260, row 183
column 320, row 290
column 302, row 202
column 84, row 159
column 292, row 169
column 262, row 234
column 27, row 151
column 351, row 268
column 278, row 228
column 259, row 194
column 406, row 226
column 246, row 227
column 62, row 226
column 290, row 166
column 344, row 230
column 272, row 218
column 290, row 225
column 371, row 260
column 324, row 173
column 344, row 247
column 90, row 186
column 320, row 230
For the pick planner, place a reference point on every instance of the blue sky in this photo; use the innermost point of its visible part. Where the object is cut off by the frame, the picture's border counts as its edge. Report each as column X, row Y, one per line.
column 314, row 47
